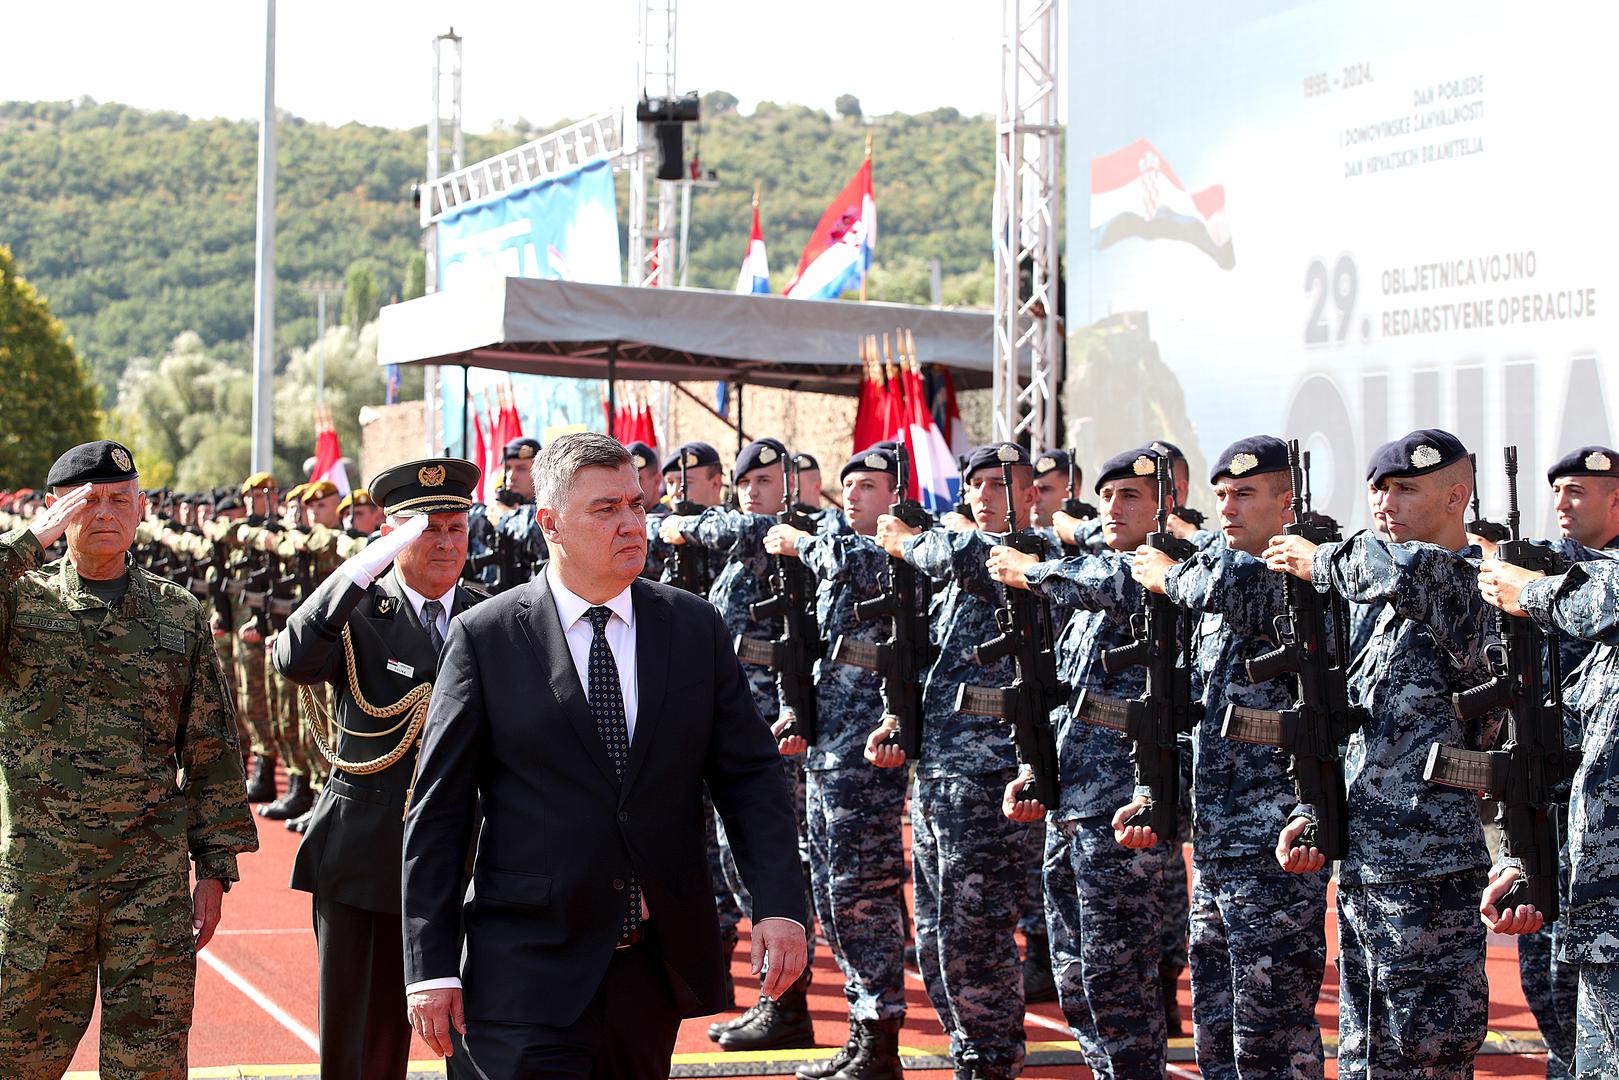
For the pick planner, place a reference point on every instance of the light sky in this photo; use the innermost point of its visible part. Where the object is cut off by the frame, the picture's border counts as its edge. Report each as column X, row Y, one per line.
column 370, row 60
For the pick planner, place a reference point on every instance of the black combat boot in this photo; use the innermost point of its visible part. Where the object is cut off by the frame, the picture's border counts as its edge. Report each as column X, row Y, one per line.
column 300, row 824
column 720, row 1027
column 876, row 1057
column 783, row 1024
column 1168, row 975
column 295, row 803
column 1038, row 985
column 820, row 1070
column 261, row 779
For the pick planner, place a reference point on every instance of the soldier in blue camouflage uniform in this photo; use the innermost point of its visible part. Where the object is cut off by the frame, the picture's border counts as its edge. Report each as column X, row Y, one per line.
column 1584, row 603
column 1104, row 902
column 743, row 582
column 1585, row 494
column 857, row 855
column 1259, row 946
column 1413, row 995
column 967, row 856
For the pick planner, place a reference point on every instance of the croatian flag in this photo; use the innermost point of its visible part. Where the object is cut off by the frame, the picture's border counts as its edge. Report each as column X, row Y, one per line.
column 938, row 480
column 839, row 251
column 1134, row 193
column 755, row 275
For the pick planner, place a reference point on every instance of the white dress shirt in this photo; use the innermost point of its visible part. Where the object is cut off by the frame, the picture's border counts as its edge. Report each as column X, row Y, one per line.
column 417, row 601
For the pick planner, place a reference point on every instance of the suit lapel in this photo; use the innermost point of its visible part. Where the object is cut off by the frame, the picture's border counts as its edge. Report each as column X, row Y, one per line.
column 654, row 640
column 537, row 615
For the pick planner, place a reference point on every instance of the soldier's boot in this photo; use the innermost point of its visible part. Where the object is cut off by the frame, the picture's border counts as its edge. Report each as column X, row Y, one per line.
column 876, row 1055
column 821, row 1070
column 261, row 780
column 1168, row 975
column 1038, row 984
column 300, row 824
column 720, row 1027
column 295, row 803
column 783, row 1024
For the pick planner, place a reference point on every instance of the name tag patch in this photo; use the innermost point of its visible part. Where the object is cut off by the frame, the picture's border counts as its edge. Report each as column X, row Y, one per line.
column 171, row 638
column 44, row 622
column 399, row 668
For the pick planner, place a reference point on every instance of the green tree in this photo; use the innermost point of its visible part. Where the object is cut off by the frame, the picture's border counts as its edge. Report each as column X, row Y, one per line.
column 848, row 107
column 363, row 297
column 47, row 403
column 187, row 416
column 415, row 277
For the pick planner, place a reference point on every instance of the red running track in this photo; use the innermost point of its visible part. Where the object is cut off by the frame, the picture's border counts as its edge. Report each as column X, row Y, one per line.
column 256, row 1000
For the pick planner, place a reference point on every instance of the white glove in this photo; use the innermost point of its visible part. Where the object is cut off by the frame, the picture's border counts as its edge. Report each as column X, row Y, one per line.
column 377, row 556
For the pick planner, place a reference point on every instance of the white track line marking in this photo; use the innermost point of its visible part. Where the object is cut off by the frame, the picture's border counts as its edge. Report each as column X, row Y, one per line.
column 258, row 997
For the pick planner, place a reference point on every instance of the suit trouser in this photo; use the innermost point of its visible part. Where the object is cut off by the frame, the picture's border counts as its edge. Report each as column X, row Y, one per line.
column 627, row 1032
column 364, row 1032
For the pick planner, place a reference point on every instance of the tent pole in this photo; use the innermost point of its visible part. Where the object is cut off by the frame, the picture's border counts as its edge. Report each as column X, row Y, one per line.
column 466, row 396
column 612, row 389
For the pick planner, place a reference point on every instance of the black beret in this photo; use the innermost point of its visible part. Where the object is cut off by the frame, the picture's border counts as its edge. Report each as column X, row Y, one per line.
column 1140, row 462
column 522, row 448
column 871, row 460
column 759, row 454
column 227, row 504
column 802, row 460
column 641, row 455
column 1377, row 455
column 1050, row 461
column 995, row 455
column 1249, row 457
column 429, row 486
column 695, row 453
column 99, row 462
column 1418, row 454
column 1586, row 461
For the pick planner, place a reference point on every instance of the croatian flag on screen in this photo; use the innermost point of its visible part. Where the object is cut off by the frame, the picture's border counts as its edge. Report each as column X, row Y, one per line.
column 755, row 275
column 839, row 251
column 1134, row 193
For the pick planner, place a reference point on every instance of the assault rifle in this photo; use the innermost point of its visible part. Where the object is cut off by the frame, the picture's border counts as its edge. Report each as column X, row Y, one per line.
column 904, row 657
column 1072, row 505
column 1493, row 531
column 1313, row 637
column 1154, row 722
column 1530, row 771
column 1028, row 636
column 686, row 565
column 793, row 655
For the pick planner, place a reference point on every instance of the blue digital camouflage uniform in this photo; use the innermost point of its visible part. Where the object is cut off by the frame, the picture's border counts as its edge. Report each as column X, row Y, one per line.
column 968, row 857
column 857, row 853
column 1259, row 945
column 103, row 710
column 520, row 527
column 744, row 580
column 1104, row 902
column 1584, row 603
column 1409, row 886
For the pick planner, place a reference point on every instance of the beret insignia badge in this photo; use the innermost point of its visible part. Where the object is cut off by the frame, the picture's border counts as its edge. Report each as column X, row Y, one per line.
column 1006, row 452
column 767, row 454
column 1424, row 456
column 121, row 459
column 638, row 460
column 1046, row 464
column 1242, row 463
column 1143, row 466
column 1596, row 461
column 690, row 460
column 525, row 452
column 876, row 461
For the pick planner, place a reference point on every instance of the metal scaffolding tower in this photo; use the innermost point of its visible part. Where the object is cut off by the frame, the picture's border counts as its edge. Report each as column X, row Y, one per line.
column 652, row 222
column 1028, row 142
column 436, row 126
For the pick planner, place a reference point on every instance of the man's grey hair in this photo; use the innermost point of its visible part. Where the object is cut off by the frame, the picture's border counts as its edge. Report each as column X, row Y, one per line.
column 555, row 467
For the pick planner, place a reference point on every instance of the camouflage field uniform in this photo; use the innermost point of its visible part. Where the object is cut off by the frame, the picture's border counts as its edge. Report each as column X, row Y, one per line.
column 250, row 656
column 1104, row 902
column 969, row 859
column 857, row 856
column 1409, row 888
column 99, row 708
column 741, row 583
column 1259, row 946
column 1584, row 603
column 326, row 549
column 280, row 696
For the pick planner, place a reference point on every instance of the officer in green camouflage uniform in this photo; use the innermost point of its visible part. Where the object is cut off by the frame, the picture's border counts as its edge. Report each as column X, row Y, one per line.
column 109, row 692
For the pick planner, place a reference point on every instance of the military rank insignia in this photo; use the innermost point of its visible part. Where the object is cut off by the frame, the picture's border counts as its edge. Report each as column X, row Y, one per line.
column 385, row 607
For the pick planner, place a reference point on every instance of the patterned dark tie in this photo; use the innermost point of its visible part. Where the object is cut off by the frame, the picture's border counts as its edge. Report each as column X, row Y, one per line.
column 430, row 613
column 606, row 699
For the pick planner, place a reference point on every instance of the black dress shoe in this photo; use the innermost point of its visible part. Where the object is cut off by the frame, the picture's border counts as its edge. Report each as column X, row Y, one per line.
column 782, row 1024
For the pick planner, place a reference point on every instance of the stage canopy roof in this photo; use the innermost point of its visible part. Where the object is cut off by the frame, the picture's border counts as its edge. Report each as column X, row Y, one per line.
column 572, row 329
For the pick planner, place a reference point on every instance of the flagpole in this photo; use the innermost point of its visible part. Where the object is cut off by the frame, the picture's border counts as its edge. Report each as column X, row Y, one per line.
column 865, row 269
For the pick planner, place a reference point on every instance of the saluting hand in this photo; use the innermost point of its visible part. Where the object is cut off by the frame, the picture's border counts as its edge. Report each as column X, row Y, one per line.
column 783, row 540
column 1290, row 555
column 373, row 559
column 1501, row 584
column 1149, row 567
column 1134, row 837
column 1293, row 858
column 1009, row 565
column 892, row 534
column 880, row 750
column 1523, row 919
column 59, row 512
column 1015, row 806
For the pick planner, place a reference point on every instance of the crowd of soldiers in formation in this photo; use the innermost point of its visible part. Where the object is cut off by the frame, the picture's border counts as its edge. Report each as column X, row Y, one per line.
column 1086, row 861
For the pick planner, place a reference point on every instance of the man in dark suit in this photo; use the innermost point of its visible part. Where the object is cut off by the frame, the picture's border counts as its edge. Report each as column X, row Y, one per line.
column 584, row 713
column 376, row 632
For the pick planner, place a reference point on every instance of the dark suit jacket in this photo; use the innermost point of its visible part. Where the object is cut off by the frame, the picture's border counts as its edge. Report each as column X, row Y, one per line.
column 350, row 852
column 560, row 836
